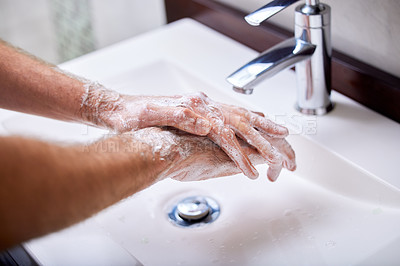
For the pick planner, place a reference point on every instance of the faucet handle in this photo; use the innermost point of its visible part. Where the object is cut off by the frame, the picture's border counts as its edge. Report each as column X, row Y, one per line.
column 267, row 11
column 276, row 6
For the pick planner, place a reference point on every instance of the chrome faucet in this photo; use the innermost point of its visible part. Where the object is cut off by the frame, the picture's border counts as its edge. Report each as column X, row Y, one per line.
column 309, row 50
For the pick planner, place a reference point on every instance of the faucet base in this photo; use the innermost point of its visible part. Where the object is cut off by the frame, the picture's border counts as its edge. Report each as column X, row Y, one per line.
column 315, row 111
column 246, row 91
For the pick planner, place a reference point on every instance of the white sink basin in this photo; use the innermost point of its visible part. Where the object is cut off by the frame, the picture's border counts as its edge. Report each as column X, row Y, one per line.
column 336, row 209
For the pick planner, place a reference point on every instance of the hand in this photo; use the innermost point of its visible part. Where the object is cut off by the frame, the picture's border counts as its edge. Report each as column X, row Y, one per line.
column 185, row 157
column 199, row 115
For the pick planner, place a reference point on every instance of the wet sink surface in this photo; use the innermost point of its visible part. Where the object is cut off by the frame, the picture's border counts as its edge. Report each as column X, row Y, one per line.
column 330, row 211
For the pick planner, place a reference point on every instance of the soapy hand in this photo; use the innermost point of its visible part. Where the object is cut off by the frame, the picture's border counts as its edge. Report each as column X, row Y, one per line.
column 186, row 157
column 199, row 115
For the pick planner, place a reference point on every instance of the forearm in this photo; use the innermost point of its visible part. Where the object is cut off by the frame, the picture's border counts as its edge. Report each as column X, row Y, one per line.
column 32, row 86
column 45, row 187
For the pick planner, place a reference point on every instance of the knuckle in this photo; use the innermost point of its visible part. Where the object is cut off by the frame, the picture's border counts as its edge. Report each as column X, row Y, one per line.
column 145, row 112
column 195, row 100
column 242, row 110
column 229, row 132
column 203, row 95
column 276, row 157
column 182, row 114
column 146, row 109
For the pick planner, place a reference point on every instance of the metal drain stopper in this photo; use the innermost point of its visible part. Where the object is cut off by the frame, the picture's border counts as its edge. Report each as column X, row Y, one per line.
column 193, row 208
column 194, row 211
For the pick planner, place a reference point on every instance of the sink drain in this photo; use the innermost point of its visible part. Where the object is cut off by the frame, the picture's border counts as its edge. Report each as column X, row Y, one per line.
column 194, row 211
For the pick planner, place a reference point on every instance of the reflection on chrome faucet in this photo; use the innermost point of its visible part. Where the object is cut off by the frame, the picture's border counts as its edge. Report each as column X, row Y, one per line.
column 310, row 51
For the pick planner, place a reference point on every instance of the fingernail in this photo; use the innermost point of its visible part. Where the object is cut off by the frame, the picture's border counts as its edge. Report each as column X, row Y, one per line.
column 273, row 173
column 283, row 130
column 290, row 165
column 253, row 175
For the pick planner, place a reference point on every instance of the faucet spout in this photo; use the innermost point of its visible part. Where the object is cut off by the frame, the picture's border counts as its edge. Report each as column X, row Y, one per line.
column 310, row 50
column 267, row 11
column 269, row 63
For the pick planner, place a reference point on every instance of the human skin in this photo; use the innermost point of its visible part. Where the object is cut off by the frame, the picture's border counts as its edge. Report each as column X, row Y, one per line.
column 32, row 86
column 41, row 193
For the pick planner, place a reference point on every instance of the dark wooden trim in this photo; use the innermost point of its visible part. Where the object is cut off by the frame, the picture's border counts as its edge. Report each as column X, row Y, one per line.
column 365, row 84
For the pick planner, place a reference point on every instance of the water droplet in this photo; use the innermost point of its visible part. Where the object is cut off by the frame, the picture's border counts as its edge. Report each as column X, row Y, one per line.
column 330, row 244
column 377, row 211
column 287, row 212
column 254, row 258
column 144, row 240
column 255, row 235
column 215, row 261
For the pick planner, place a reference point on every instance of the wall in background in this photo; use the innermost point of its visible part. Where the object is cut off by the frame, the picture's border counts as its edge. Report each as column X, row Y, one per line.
column 368, row 30
column 43, row 27
column 27, row 24
column 121, row 19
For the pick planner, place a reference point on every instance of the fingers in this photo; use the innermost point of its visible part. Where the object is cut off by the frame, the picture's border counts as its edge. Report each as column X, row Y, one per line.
column 267, row 126
column 225, row 138
column 255, row 139
column 199, row 115
column 276, row 151
column 258, row 120
column 289, row 157
column 178, row 117
column 276, row 158
column 258, row 113
column 273, row 172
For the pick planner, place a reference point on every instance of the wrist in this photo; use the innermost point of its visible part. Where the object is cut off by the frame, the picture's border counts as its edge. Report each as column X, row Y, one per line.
column 100, row 106
column 128, row 163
